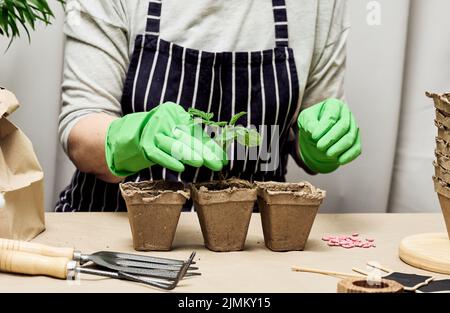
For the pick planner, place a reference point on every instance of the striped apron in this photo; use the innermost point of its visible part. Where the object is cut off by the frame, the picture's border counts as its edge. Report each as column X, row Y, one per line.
column 262, row 83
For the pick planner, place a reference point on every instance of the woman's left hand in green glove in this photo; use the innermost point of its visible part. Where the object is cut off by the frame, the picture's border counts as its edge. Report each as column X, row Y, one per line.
column 328, row 136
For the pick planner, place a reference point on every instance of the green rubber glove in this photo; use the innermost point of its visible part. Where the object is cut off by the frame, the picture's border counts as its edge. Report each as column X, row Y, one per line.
column 328, row 136
column 166, row 135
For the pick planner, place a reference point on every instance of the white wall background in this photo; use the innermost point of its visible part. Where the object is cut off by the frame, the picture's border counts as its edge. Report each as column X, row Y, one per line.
column 373, row 86
column 33, row 72
column 389, row 68
column 427, row 68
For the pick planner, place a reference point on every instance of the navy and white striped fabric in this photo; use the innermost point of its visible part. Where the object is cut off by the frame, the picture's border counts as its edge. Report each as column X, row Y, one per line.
column 262, row 83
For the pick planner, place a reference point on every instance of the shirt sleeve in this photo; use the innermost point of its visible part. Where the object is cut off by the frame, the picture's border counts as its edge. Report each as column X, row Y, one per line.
column 96, row 60
column 327, row 72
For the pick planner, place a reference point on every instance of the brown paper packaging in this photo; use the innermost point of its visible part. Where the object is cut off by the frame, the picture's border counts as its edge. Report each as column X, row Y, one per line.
column 21, row 178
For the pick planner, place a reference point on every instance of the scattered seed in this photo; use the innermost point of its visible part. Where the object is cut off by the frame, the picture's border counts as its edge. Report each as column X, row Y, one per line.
column 349, row 242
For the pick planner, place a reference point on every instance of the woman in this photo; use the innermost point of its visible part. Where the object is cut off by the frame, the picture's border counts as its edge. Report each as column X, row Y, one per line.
column 133, row 68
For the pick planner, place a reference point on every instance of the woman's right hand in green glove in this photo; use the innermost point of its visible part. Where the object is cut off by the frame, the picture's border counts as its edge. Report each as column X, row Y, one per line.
column 166, row 135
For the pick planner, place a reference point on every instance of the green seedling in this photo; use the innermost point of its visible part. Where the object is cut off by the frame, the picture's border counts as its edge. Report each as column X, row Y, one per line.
column 228, row 131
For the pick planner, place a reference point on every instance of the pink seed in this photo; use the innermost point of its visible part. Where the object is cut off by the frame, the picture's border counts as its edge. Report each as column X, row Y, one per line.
column 355, row 234
column 326, row 238
column 370, row 239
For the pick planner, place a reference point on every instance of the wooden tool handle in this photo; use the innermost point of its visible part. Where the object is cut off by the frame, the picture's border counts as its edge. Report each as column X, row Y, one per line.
column 322, row 272
column 36, row 248
column 32, row 264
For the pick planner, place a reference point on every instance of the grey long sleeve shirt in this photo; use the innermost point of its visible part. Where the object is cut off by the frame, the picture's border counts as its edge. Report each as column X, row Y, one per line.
column 100, row 38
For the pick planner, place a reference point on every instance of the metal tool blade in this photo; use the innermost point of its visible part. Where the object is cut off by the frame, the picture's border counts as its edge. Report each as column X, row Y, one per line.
column 131, row 257
column 156, row 270
column 122, row 276
column 139, row 264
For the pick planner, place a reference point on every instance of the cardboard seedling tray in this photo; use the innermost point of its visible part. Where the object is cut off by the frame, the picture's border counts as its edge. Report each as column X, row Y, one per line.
column 154, row 209
column 443, row 132
column 442, row 146
column 442, row 160
column 443, row 191
column 441, row 173
column 224, row 209
column 288, row 211
column 441, row 101
column 443, row 118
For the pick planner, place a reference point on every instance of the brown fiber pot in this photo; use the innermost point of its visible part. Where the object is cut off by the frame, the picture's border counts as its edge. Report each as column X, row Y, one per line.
column 288, row 211
column 153, row 211
column 441, row 101
column 441, row 173
column 224, row 209
column 443, row 160
column 442, row 146
column 443, row 191
column 442, row 118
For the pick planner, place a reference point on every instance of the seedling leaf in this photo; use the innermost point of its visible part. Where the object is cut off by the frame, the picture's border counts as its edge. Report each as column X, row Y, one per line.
column 235, row 118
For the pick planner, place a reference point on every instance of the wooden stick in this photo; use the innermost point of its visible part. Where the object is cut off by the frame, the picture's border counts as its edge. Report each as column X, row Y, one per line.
column 323, row 272
column 378, row 266
column 359, row 271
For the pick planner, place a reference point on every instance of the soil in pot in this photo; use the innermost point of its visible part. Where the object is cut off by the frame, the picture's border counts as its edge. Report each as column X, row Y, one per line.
column 154, row 209
column 443, row 191
column 288, row 211
column 224, row 209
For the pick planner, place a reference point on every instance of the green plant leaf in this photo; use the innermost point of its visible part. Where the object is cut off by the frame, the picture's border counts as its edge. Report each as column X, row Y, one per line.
column 248, row 137
column 220, row 124
column 235, row 118
column 23, row 13
column 198, row 113
column 226, row 136
column 228, row 132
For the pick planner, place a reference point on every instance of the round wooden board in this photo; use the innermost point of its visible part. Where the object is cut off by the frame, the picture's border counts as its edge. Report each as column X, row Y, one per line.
column 429, row 252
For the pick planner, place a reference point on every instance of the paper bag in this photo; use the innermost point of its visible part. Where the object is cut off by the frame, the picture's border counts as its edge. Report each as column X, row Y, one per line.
column 21, row 178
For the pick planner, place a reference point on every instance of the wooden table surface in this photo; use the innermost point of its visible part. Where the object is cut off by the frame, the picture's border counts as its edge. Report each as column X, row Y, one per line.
column 256, row 269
